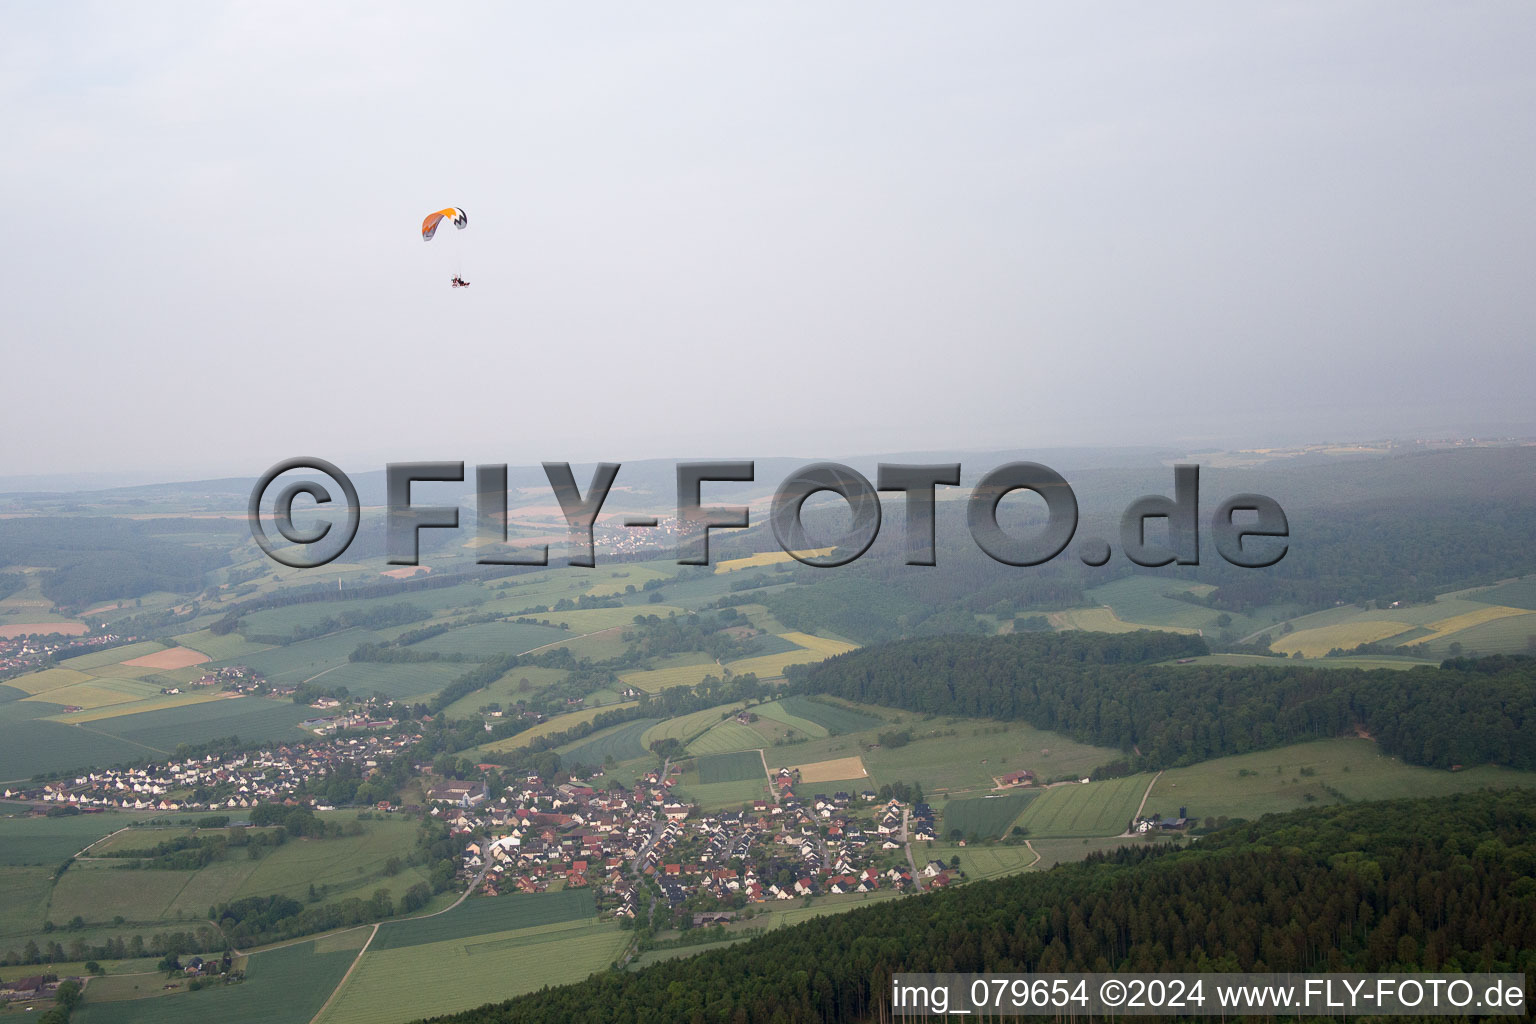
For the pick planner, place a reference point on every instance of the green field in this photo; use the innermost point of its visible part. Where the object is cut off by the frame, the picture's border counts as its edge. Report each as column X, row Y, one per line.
column 283, row 621
column 729, row 735
column 985, row 817
column 1149, row 600
column 677, row 670
column 112, row 656
column 250, row 718
column 607, row 643
column 487, row 914
column 1512, row 635
column 507, row 690
column 980, row 861
column 220, row 648
column 98, row 890
column 23, row 905
column 492, row 639
column 287, row 985
column 778, row 711
column 1290, row 777
column 394, row 985
column 734, row 767
column 398, row 680
column 1515, row 594
column 30, row 745
column 1085, row 810
column 688, row 727
column 591, row 620
column 977, row 751
column 299, row 662
column 1067, row 851
column 619, row 742
column 834, row 718
column 717, row 795
column 26, row 840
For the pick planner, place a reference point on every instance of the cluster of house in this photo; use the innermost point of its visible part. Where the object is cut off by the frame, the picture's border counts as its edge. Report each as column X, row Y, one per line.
column 24, row 653
column 218, row 782
column 1157, row 823
column 356, row 720
column 1161, row 825
column 236, row 679
column 623, row 839
column 38, row 986
column 538, row 833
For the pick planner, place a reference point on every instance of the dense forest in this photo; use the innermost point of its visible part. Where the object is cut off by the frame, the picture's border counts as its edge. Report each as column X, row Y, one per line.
column 100, row 559
column 1434, row 885
column 1101, row 688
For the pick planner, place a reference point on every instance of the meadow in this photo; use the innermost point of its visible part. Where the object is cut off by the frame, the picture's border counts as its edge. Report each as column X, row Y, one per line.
column 1515, row 594
column 31, row 745
column 724, row 795
column 1317, row 773
column 48, row 841
column 734, row 767
column 284, row 620
column 771, row 666
column 619, row 742
column 729, row 735
column 1104, row 620
column 836, row 719
column 111, row 656
column 397, row 680
column 1487, row 620
column 978, row 750
column 1505, row 635
column 297, row 663
column 1085, row 809
column 220, row 648
column 251, row 718
column 686, row 728
column 99, row 889
column 491, row 639
column 486, row 914
column 985, row 817
column 507, row 690
column 286, row 985
column 677, row 670
column 548, row 727
column 778, row 711
column 980, row 861
column 394, row 985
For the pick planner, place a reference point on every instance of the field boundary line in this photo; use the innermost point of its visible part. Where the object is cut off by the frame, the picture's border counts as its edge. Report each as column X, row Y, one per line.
column 123, row 739
column 1145, row 796
column 342, row 983
column 773, row 789
column 103, row 839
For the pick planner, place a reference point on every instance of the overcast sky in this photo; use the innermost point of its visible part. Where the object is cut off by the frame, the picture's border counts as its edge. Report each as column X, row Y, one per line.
column 707, row 229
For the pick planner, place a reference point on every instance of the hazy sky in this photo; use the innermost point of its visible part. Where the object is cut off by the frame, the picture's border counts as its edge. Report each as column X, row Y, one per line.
column 808, row 229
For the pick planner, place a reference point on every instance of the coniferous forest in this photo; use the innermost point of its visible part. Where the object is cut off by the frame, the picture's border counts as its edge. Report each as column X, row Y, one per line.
column 1105, row 689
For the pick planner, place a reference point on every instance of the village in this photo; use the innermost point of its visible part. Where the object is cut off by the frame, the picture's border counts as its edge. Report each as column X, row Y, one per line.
column 224, row 782
column 701, row 866
column 27, row 652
